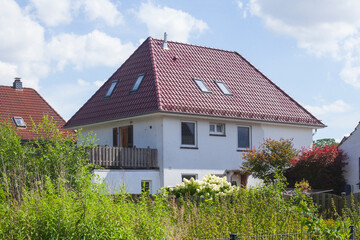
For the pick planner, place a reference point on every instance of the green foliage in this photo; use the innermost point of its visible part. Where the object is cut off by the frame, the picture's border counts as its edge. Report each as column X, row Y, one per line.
column 53, row 154
column 55, row 212
column 209, row 186
column 325, row 142
column 270, row 156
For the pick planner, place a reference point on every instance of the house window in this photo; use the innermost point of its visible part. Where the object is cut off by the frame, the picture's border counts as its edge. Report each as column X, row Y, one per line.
column 137, row 83
column 19, row 122
column 111, row 88
column 123, row 136
column 223, row 87
column 188, row 134
column 188, row 176
column 243, row 137
column 217, row 129
column 201, row 85
column 146, row 186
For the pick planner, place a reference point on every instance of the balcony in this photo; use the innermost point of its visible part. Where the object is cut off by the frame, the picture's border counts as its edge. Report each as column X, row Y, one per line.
column 124, row 158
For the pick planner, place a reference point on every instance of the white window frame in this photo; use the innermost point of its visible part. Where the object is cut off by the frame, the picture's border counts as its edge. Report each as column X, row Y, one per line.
column 237, row 136
column 150, row 185
column 216, row 132
column 195, row 135
column 201, row 85
column 222, row 84
column 194, row 175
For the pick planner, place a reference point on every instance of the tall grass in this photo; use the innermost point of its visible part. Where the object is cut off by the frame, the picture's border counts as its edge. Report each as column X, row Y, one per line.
column 46, row 192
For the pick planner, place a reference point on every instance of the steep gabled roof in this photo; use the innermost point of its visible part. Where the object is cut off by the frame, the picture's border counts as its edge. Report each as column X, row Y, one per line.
column 169, row 87
column 29, row 105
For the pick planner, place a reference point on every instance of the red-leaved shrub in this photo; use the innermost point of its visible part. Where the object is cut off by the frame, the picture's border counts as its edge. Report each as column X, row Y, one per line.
column 321, row 166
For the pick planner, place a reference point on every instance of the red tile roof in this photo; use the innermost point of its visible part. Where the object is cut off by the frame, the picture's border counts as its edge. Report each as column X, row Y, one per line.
column 28, row 104
column 169, row 87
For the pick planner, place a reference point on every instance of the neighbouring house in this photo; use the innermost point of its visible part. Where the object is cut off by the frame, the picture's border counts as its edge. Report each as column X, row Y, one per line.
column 351, row 147
column 22, row 105
column 175, row 110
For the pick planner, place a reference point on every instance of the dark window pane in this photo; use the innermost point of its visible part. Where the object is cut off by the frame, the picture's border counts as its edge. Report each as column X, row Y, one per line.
column 115, row 137
column 188, row 176
column 212, row 128
column 243, row 137
column 130, row 136
column 111, row 88
column 188, row 133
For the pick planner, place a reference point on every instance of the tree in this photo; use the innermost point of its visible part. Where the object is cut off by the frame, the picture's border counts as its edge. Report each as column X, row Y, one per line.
column 321, row 166
column 325, row 142
column 271, row 155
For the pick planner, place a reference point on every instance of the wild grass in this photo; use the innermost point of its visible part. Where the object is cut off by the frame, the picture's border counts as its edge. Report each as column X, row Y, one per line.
column 46, row 192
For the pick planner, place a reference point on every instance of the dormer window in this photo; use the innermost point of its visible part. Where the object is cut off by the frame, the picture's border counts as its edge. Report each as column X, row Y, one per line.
column 201, row 85
column 223, row 88
column 19, row 122
column 137, row 83
column 111, row 89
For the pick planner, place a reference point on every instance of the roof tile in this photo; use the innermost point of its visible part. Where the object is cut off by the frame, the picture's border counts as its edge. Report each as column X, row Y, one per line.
column 169, row 87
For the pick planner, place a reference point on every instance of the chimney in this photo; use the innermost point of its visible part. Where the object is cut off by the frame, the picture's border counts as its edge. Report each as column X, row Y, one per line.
column 164, row 45
column 17, row 84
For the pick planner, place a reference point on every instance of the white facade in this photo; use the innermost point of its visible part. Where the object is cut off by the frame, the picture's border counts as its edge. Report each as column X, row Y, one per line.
column 211, row 154
column 351, row 147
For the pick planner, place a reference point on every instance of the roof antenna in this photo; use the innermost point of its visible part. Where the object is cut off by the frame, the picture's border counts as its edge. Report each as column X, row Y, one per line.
column 164, row 45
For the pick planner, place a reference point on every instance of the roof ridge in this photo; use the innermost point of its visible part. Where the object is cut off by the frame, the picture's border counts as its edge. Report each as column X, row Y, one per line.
column 195, row 45
column 69, row 121
column 155, row 74
column 50, row 107
column 275, row 85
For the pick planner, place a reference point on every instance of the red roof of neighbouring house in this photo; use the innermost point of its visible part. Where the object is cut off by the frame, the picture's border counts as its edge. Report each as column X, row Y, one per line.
column 28, row 104
column 168, row 86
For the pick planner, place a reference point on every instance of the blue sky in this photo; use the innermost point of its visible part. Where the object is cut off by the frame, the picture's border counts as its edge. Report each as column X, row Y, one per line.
column 66, row 49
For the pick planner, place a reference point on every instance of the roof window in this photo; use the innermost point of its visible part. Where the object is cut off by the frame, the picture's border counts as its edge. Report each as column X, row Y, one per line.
column 19, row 122
column 111, row 89
column 201, row 85
column 223, row 88
column 137, row 83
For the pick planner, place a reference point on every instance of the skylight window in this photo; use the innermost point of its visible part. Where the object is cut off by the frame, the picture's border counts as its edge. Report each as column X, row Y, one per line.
column 137, row 82
column 111, row 88
column 201, row 85
column 223, row 88
column 19, row 122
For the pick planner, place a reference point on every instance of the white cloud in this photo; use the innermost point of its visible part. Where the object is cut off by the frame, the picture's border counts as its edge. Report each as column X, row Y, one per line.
column 240, row 4
column 178, row 24
column 323, row 28
column 21, row 45
column 53, row 12
column 7, row 73
column 339, row 106
column 56, row 12
column 104, row 10
column 90, row 50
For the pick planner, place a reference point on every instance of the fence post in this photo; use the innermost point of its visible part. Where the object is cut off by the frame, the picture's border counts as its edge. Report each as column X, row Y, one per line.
column 352, row 232
column 233, row 236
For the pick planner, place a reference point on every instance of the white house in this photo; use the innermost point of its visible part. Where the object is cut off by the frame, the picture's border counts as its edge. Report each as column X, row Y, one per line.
column 351, row 147
column 199, row 107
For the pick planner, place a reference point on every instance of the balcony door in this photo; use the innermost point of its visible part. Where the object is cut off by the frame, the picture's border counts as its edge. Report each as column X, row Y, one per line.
column 123, row 136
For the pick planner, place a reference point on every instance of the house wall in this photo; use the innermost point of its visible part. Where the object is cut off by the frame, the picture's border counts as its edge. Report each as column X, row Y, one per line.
column 215, row 154
column 131, row 179
column 351, row 147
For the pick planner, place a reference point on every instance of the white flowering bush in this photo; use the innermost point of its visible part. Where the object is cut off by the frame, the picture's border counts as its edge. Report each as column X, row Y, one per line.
column 208, row 187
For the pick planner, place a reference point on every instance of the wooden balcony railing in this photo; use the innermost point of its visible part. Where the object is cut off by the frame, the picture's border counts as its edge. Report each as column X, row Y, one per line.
column 124, row 158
